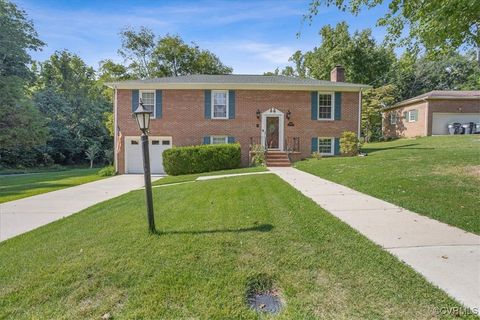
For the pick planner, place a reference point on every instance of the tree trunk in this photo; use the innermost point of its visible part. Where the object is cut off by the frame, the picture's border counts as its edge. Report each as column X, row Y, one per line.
column 91, row 164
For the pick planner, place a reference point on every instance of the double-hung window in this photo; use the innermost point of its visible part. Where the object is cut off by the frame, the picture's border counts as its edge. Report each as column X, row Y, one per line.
column 219, row 104
column 219, row 139
column 148, row 99
column 412, row 115
column 325, row 106
column 393, row 118
column 325, row 146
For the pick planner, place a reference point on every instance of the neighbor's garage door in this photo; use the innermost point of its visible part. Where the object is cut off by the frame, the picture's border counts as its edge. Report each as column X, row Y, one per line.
column 133, row 154
column 440, row 121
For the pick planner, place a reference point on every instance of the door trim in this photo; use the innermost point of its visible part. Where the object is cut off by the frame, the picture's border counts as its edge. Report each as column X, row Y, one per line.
column 281, row 126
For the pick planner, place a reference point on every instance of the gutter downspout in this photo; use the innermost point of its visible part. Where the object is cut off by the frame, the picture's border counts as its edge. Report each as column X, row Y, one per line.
column 359, row 113
column 115, row 124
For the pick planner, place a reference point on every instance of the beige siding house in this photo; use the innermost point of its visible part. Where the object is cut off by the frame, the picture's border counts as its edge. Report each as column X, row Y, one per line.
column 430, row 113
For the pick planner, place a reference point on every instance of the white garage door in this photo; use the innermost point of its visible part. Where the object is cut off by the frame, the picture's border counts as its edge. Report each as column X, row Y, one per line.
column 133, row 154
column 440, row 121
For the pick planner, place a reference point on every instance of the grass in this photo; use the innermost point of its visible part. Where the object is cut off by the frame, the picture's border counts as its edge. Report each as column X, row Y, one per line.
column 13, row 187
column 435, row 176
column 193, row 177
column 216, row 239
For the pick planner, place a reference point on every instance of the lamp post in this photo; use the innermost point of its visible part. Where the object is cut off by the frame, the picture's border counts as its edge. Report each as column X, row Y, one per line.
column 143, row 120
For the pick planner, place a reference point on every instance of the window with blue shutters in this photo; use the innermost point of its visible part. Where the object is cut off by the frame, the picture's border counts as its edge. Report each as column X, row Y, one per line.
column 324, row 145
column 326, row 106
column 148, row 100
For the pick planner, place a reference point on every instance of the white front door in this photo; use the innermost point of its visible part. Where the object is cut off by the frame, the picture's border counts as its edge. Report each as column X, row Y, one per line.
column 272, row 135
column 134, row 154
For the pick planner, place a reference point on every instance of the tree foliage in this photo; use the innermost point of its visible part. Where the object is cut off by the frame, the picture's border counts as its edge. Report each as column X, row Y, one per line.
column 373, row 101
column 147, row 57
column 438, row 26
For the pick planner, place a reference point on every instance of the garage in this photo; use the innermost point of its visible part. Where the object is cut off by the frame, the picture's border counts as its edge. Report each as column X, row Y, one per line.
column 440, row 121
column 133, row 153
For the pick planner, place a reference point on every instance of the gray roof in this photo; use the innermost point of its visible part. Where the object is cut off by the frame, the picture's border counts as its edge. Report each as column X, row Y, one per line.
column 440, row 94
column 238, row 79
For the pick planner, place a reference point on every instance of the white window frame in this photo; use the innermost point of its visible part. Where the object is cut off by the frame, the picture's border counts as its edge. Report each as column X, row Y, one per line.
column 332, row 146
column 332, row 115
column 212, row 111
column 393, row 118
column 410, row 113
column 223, row 137
column 140, row 92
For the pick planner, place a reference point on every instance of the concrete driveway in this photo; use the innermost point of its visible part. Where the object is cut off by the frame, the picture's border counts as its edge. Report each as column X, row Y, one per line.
column 19, row 216
column 446, row 256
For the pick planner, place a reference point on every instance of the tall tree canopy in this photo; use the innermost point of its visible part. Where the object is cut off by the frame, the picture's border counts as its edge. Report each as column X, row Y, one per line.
column 20, row 124
column 438, row 26
column 147, row 57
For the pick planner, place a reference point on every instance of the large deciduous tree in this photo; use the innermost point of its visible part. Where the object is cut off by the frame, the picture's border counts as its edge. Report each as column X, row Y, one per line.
column 438, row 26
column 147, row 57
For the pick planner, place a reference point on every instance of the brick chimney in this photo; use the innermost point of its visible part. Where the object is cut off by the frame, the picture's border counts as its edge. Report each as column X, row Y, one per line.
column 337, row 74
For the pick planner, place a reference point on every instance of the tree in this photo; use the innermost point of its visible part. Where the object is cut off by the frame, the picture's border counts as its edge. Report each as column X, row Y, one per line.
column 353, row 52
column 92, row 153
column 438, row 26
column 70, row 99
column 21, row 127
column 373, row 101
column 168, row 56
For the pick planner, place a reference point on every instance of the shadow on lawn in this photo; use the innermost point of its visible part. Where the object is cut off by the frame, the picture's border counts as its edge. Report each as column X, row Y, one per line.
column 259, row 228
column 402, row 147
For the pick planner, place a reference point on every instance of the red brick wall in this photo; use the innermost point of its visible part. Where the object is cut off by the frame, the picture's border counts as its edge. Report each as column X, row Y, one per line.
column 184, row 120
column 403, row 128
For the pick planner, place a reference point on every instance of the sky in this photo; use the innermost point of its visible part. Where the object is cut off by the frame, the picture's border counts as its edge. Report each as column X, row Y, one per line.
column 250, row 36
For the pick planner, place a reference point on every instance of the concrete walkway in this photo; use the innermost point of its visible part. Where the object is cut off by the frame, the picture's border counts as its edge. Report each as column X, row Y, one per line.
column 446, row 256
column 19, row 216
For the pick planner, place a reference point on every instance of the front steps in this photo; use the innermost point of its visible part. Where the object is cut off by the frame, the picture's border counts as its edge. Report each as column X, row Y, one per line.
column 277, row 159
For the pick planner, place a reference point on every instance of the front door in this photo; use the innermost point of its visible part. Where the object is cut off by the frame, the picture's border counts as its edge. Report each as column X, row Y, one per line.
column 272, row 133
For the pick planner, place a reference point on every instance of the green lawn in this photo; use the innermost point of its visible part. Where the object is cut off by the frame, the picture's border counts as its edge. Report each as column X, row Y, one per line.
column 17, row 186
column 435, row 176
column 193, row 177
column 214, row 238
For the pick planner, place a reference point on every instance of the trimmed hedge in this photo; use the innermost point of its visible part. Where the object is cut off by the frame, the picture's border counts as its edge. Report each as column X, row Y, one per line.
column 204, row 158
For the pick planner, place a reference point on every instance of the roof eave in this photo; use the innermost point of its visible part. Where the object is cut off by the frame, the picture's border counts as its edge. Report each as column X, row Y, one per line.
column 245, row 86
column 415, row 100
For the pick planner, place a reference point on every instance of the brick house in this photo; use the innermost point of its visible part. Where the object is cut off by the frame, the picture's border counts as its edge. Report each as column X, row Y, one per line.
column 283, row 113
column 430, row 113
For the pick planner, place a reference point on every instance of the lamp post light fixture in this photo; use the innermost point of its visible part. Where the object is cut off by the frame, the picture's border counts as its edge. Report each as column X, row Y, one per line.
column 142, row 116
column 289, row 114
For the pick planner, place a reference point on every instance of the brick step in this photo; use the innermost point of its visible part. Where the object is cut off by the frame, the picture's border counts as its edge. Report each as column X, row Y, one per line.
column 277, row 158
column 277, row 164
column 278, row 161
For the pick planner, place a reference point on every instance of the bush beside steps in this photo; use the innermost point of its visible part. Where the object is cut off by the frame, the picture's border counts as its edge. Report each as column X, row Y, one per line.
column 204, row 158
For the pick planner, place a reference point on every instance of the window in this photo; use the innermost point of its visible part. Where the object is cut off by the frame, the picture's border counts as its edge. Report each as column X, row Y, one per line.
column 219, row 139
column 325, row 146
column 165, row 142
column 155, row 142
column 393, row 118
column 412, row 115
column 148, row 99
column 134, row 142
column 219, row 104
column 325, row 106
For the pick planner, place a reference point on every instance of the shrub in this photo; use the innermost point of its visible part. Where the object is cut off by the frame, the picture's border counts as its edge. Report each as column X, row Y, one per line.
column 204, row 158
column 258, row 155
column 316, row 155
column 349, row 144
column 107, row 171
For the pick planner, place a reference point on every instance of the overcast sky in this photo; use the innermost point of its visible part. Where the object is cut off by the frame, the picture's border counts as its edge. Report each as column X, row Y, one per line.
column 250, row 36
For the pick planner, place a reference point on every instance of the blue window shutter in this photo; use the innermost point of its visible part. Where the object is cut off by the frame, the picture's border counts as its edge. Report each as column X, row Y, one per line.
column 231, row 104
column 314, row 144
column 208, row 104
column 231, row 139
column 337, row 146
column 314, row 96
column 338, row 105
column 134, row 100
column 158, row 104
column 206, row 140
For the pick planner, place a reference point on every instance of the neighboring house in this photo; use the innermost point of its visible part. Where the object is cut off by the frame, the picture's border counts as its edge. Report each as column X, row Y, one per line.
column 283, row 113
column 430, row 113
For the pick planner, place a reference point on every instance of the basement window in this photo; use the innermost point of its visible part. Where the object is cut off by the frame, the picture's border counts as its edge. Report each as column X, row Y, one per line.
column 325, row 146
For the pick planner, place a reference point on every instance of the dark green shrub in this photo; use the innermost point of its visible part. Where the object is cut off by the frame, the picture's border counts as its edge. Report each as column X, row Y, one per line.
column 204, row 158
column 107, row 171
